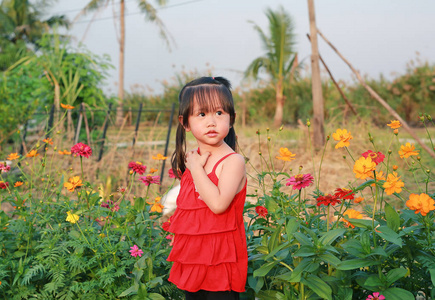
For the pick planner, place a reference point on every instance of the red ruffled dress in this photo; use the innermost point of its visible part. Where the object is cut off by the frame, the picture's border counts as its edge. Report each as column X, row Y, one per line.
column 209, row 250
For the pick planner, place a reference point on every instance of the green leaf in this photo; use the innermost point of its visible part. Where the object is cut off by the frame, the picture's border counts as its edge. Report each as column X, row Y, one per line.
column 255, row 283
column 303, row 239
column 330, row 236
column 363, row 223
column 264, row 269
column 330, row 258
column 318, row 286
column 131, row 290
column 305, row 251
column 295, row 276
column 291, row 227
column 395, row 274
column 274, row 239
column 432, row 275
column 393, row 218
column 357, row 263
column 155, row 296
column 389, row 235
column 271, row 295
column 74, row 234
column 364, row 185
column 397, row 294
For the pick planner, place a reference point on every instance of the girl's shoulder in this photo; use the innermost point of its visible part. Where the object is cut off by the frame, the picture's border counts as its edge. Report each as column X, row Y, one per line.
column 231, row 162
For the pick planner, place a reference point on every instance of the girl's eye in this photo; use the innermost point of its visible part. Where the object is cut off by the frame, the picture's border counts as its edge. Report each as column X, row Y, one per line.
column 219, row 113
column 201, row 114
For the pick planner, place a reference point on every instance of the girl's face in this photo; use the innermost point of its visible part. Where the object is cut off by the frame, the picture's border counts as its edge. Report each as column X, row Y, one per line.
column 209, row 127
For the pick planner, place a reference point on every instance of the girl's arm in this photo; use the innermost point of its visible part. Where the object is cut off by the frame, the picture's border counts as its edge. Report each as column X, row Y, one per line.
column 231, row 180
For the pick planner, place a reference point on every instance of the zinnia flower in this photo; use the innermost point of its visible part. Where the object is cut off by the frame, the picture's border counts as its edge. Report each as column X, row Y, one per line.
column 81, row 149
column 66, row 106
column 135, row 251
column 73, row 183
column 18, row 183
column 393, row 184
column 377, row 157
column 159, row 157
column 156, row 205
column 150, row 179
column 364, row 167
column 113, row 206
column 344, row 194
column 72, row 218
column 172, row 174
column 48, row 141
column 64, row 152
column 4, row 185
column 407, row 150
column 32, row 153
column 422, row 203
column 4, row 168
column 261, row 211
column 137, row 167
column 13, row 156
column 376, row 296
column 343, row 137
column 300, row 181
column 166, row 225
column 285, row 155
column 351, row 214
column 327, row 200
column 394, row 124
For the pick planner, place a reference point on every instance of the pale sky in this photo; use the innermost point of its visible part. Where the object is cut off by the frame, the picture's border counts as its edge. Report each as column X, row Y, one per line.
column 375, row 36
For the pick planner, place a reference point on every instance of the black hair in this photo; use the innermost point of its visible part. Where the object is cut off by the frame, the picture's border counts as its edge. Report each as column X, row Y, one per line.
column 208, row 93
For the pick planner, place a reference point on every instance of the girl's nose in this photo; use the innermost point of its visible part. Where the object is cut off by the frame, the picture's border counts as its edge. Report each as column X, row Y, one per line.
column 211, row 121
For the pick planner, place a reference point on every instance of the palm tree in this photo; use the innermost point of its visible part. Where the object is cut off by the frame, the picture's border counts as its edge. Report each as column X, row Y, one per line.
column 151, row 15
column 279, row 58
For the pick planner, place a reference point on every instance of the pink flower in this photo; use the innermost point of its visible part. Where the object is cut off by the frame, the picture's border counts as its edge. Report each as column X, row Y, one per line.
column 261, row 211
column 377, row 157
column 150, row 179
column 4, row 185
column 81, row 149
column 137, row 167
column 4, row 168
column 375, row 296
column 110, row 205
column 135, row 251
column 300, row 181
column 172, row 174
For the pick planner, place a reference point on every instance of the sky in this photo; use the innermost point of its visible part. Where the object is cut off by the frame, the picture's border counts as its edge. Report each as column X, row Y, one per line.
column 376, row 37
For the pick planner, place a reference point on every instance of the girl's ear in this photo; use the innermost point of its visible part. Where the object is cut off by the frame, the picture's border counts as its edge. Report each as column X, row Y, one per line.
column 180, row 119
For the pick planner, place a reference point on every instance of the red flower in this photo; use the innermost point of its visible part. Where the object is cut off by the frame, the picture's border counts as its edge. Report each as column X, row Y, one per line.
column 81, row 149
column 166, row 225
column 4, row 168
column 343, row 194
column 261, row 211
column 300, row 181
column 150, row 179
column 137, row 167
column 110, row 205
column 327, row 200
column 4, row 185
column 172, row 174
column 377, row 157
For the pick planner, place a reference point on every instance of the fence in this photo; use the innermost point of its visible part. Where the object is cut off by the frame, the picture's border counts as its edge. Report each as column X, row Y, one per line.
column 82, row 117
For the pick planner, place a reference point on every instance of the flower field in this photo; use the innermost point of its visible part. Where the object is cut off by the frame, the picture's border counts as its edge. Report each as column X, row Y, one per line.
column 368, row 235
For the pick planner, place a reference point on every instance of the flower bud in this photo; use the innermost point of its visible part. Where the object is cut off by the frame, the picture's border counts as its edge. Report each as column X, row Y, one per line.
column 58, row 132
column 301, row 167
column 389, row 151
column 55, row 148
column 37, row 145
column 267, row 129
column 258, row 131
column 421, row 118
column 268, row 138
column 429, row 117
column 308, row 123
column 344, row 156
column 427, row 171
column 259, row 153
column 281, row 128
column 395, row 167
column 18, row 131
column 418, row 158
column 396, row 131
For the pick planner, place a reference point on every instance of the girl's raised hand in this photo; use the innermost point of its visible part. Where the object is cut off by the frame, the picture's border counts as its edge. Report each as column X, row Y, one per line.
column 195, row 160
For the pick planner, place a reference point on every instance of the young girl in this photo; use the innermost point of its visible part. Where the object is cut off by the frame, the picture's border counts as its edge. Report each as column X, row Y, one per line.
column 209, row 249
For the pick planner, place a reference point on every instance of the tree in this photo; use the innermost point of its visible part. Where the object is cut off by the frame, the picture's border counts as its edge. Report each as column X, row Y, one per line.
column 150, row 14
column 279, row 58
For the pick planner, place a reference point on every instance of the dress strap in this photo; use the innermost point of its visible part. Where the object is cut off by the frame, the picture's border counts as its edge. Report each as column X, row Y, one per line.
column 220, row 160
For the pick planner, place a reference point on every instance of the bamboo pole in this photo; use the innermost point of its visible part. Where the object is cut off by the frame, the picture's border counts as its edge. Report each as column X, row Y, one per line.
column 379, row 99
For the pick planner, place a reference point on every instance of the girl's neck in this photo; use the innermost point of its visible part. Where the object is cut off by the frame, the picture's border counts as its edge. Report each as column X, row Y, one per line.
column 215, row 150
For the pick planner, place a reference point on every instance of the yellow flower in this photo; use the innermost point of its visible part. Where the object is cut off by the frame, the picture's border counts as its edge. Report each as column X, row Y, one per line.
column 407, row 150
column 394, row 124
column 73, row 183
column 64, row 152
column 364, row 167
column 32, row 153
column 343, row 137
column 13, row 156
column 66, row 106
column 156, row 206
column 18, row 183
column 421, row 203
column 285, row 154
column 351, row 214
column 159, row 157
column 48, row 141
column 72, row 218
column 393, row 184
column 153, row 170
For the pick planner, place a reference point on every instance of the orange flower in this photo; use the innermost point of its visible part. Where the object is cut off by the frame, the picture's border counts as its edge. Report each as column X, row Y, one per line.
column 379, row 176
column 159, row 157
column 153, row 170
column 73, row 183
column 32, row 153
column 393, row 184
column 18, row 183
column 351, row 214
column 285, row 155
column 64, row 152
column 343, row 137
column 156, row 206
column 407, row 150
column 364, row 167
column 395, row 167
column 66, row 106
column 421, row 203
column 13, row 156
column 48, row 141
column 394, row 124
column 358, row 200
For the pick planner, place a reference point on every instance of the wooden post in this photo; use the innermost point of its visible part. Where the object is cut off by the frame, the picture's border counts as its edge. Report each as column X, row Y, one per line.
column 316, row 84
column 171, row 118
column 137, row 124
column 88, row 134
column 121, row 64
column 79, row 125
column 106, row 124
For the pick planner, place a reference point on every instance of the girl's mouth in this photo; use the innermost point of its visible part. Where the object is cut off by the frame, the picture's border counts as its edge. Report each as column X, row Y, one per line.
column 211, row 133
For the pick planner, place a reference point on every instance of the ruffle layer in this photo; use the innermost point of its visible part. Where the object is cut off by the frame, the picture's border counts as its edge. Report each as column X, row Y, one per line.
column 222, row 277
